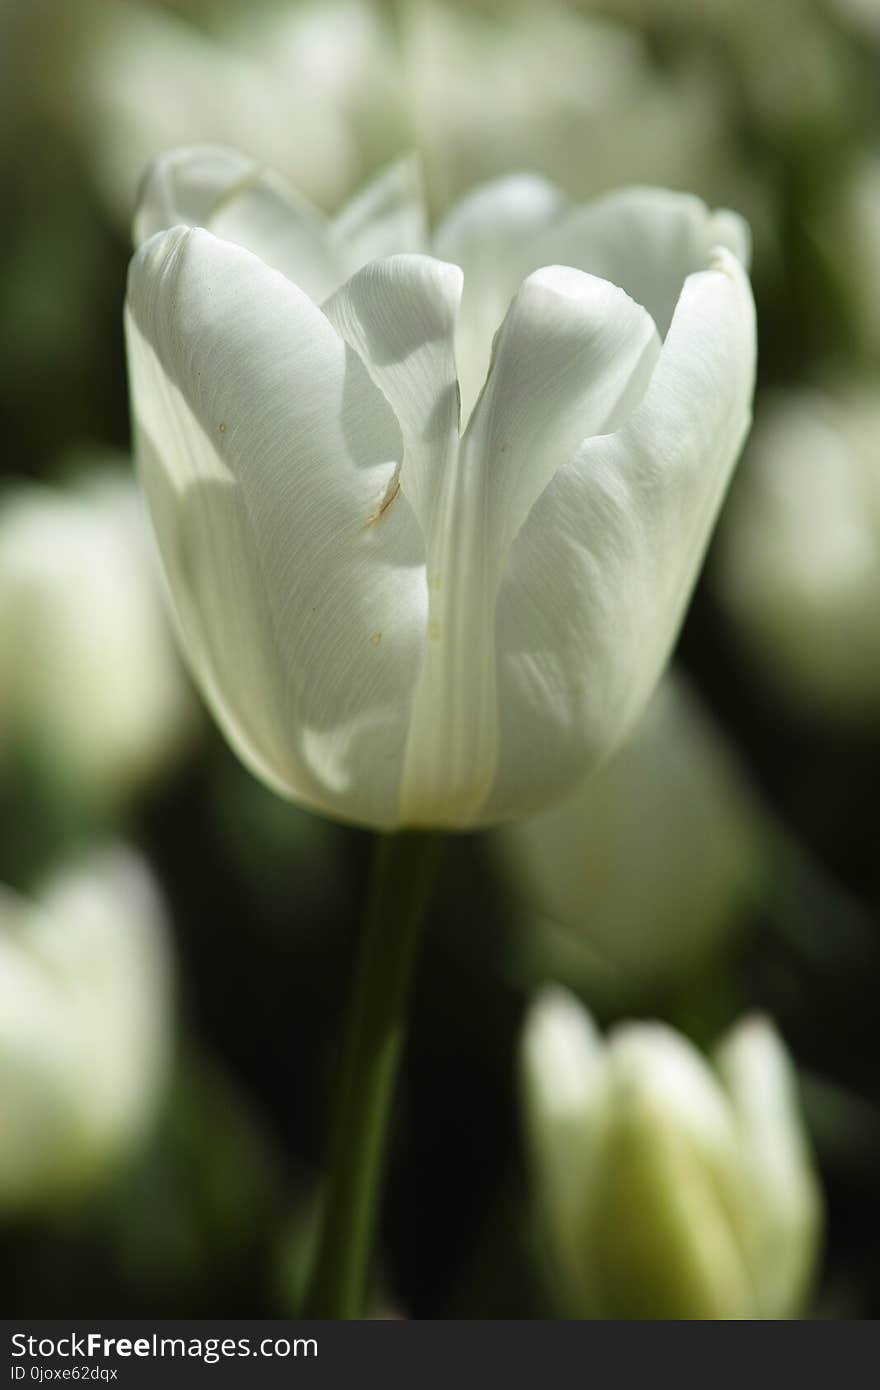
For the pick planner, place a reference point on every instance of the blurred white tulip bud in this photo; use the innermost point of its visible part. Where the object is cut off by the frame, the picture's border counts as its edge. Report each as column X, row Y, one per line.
column 85, row 1025
column 644, row 874
column 668, row 1188
column 90, row 680
column 798, row 562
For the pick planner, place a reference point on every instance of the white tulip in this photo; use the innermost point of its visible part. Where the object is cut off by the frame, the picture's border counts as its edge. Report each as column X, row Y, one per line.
column 85, row 1025
column 90, row 676
column 431, row 526
column 647, row 869
column 799, row 552
column 669, row 1188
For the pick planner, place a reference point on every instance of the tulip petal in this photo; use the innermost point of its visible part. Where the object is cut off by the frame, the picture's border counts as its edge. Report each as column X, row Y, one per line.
column 266, row 452
column 239, row 200
column 488, row 234
column 572, row 359
column 601, row 571
column 562, row 1067
column 784, row 1215
column 671, row 1153
column 386, row 217
column 647, row 240
column 573, row 355
column 185, row 186
column 399, row 315
column 659, row 1240
column 654, row 1061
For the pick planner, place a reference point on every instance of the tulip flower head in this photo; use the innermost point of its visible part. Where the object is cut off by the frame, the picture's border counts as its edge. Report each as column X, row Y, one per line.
column 670, row 1188
column 431, row 509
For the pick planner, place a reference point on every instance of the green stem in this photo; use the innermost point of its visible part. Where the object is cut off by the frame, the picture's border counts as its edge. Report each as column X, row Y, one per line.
column 403, row 875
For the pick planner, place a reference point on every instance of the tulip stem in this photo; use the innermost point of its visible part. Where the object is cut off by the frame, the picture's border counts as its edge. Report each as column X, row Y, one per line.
column 403, row 874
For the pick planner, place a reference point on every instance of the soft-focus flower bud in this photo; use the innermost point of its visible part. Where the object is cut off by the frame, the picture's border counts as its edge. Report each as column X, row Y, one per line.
column 90, row 681
column 643, row 874
column 85, row 1025
column 799, row 551
column 669, row 1188
column 430, row 527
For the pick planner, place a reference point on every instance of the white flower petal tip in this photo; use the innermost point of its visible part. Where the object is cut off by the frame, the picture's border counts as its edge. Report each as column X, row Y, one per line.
column 188, row 186
column 430, row 545
column 387, row 216
column 561, row 1050
column 242, row 201
column 733, row 231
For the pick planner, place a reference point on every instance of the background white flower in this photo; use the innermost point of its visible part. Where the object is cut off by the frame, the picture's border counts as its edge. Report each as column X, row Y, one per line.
column 85, row 1024
column 669, row 1188
column 798, row 565
column 644, row 874
column 90, row 675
